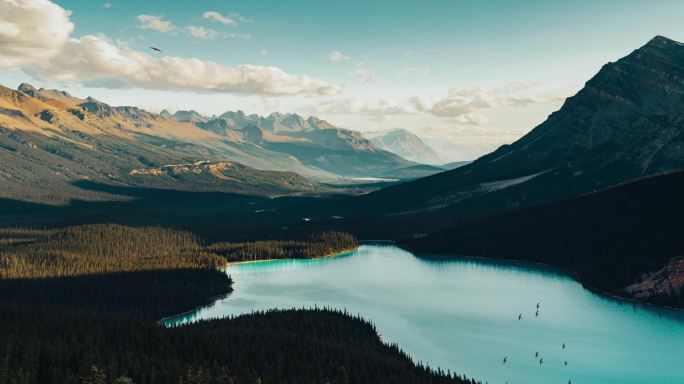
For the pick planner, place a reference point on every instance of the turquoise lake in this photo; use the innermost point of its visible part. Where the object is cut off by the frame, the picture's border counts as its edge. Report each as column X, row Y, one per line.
column 461, row 314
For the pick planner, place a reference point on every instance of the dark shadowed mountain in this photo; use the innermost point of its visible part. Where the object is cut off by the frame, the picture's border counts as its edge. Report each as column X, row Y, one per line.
column 626, row 123
column 405, row 144
column 312, row 141
column 627, row 240
column 455, row 164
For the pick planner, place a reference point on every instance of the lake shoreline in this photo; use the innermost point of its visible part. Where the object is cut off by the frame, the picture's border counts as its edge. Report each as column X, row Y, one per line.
column 557, row 268
column 233, row 263
column 326, row 256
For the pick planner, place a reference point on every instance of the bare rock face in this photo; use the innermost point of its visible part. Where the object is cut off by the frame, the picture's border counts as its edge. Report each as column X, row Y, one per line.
column 667, row 282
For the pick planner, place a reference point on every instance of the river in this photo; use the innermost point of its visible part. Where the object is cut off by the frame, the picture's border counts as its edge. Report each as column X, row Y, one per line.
column 461, row 314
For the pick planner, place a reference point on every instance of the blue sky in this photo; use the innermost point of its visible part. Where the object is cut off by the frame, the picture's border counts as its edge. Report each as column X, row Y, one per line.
column 466, row 75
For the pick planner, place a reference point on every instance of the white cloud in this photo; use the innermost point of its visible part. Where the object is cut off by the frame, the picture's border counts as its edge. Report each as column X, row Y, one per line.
column 155, row 23
column 201, row 32
column 106, row 5
column 34, row 37
column 337, row 56
column 462, row 103
column 31, row 31
column 365, row 74
column 232, row 35
column 359, row 106
column 106, row 63
column 415, row 71
column 462, row 106
column 233, row 19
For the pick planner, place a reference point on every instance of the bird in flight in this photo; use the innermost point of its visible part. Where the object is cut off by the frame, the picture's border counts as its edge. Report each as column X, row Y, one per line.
column 505, row 359
column 563, row 345
column 155, row 49
column 519, row 317
column 536, row 354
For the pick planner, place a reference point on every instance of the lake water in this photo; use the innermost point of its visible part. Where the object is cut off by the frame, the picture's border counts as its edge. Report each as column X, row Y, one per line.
column 461, row 314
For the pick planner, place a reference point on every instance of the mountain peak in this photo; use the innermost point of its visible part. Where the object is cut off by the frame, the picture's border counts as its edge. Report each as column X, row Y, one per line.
column 662, row 41
column 26, row 88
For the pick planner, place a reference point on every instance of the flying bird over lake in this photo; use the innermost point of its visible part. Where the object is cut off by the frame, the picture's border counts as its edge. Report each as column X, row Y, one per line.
column 541, row 361
column 155, row 49
column 536, row 354
column 519, row 317
column 563, row 345
column 566, row 363
column 505, row 359
column 537, row 305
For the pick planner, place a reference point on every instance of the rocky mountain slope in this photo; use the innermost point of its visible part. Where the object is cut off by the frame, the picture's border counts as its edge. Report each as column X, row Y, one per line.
column 627, row 122
column 50, row 140
column 406, row 145
column 314, row 142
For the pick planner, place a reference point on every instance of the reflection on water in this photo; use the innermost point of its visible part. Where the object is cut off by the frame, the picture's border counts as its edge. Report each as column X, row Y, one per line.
column 461, row 314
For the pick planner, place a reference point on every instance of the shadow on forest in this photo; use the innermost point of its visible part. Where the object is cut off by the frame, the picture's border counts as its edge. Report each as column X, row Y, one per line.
column 148, row 294
column 202, row 212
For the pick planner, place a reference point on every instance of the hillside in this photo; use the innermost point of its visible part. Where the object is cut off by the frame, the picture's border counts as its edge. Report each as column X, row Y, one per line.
column 48, row 137
column 627, row 122
column 626, row 240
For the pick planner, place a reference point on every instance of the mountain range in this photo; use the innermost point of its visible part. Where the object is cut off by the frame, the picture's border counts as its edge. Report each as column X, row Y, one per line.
column 312, row 141
column 50, row 136
column 626, row 123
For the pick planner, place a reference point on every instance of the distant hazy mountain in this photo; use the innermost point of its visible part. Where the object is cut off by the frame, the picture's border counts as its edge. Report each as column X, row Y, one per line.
column 312, row 141
column 406, row 145
column 627, row 122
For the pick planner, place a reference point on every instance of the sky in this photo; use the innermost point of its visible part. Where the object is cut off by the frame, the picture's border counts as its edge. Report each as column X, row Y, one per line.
column 466, row 76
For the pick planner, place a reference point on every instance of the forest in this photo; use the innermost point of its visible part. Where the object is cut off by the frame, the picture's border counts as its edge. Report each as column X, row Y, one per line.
column 105, row 248
column 81, row 305
column 312, row 246
column 54, row 346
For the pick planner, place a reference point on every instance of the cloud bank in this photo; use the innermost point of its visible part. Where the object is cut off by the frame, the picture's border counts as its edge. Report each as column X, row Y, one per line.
column 462, row 105
column 35, row 36
column 31, row 31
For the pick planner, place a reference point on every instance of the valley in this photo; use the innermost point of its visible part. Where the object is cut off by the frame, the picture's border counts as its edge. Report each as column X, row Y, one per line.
column 331, row 193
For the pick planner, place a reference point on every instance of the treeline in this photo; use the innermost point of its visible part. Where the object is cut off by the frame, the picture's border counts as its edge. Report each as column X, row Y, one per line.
column 53, row 346
column 315, row 245
column 99, row 248
column 107, row 248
